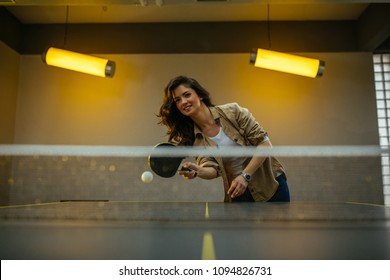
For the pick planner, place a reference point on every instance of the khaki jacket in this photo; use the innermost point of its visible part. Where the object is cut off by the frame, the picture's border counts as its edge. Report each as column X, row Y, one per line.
column 239, row 125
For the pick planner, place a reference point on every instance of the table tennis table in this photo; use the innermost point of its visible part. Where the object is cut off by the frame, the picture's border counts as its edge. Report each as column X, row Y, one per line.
column 126, row 230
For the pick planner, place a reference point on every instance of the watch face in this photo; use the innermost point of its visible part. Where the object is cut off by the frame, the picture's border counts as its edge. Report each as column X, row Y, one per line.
column 246, row 176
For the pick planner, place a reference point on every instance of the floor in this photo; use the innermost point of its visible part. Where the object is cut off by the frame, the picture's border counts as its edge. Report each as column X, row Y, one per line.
column 105, row 230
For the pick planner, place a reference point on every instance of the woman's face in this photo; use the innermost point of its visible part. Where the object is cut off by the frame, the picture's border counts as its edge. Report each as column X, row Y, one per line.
column 186, row 100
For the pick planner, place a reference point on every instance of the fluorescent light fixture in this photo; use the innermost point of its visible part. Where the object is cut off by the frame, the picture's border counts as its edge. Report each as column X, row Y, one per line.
column 288, row 63
column 79, row 62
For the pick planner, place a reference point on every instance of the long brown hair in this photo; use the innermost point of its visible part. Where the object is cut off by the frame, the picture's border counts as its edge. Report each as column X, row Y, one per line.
column 180, row 127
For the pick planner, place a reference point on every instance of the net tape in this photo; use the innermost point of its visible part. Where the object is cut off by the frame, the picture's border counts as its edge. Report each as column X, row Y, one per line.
column 144, row 151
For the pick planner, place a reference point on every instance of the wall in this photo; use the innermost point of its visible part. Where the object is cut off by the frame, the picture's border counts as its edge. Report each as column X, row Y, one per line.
column 9, row 75
column 57, row 106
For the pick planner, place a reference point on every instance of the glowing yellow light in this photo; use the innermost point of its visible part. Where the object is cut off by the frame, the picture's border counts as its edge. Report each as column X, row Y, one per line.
column 288, row 63
column 79, row 62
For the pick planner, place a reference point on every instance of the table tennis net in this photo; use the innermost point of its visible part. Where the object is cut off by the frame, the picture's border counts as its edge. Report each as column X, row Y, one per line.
column 50, row 173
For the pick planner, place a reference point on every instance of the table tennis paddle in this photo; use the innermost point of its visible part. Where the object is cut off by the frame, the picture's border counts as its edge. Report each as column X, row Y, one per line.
column 165, row 166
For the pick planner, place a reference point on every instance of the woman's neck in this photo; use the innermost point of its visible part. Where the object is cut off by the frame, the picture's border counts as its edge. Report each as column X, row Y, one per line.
column 205, row 121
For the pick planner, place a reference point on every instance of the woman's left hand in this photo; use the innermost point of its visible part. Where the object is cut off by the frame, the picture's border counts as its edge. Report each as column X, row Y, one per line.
column 238, row 186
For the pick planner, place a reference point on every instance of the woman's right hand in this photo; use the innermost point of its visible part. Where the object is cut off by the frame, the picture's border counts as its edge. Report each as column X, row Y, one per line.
column 192, row 170
column 189, row 170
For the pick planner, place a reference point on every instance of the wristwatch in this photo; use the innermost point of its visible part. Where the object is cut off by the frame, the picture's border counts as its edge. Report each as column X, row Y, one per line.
column 246, row 176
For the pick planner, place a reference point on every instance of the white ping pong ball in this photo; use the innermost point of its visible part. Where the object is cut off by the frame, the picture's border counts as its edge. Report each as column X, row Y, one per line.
column 147, row 177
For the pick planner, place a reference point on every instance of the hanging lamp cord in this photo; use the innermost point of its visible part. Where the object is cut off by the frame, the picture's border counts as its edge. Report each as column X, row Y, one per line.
column 268, row 26
column 66, row 26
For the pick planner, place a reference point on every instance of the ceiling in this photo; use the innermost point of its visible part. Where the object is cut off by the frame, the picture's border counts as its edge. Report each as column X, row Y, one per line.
column 132, row 11
column 369, row 17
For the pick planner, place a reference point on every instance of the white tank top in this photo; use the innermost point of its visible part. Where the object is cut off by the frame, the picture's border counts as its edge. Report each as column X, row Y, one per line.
column 233, row 165
column 221, row 139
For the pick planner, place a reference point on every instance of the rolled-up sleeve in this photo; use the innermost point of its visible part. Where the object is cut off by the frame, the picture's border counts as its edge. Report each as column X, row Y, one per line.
column 209, row 162
column 253, row 131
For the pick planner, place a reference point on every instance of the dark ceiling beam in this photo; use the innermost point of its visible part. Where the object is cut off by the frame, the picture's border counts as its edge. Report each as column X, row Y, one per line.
column 201, row 37
column 384, row 47
column 11, row 30
column 374, row 27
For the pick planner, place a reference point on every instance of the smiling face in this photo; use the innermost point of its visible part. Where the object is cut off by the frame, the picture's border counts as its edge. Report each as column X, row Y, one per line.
column 186, row 99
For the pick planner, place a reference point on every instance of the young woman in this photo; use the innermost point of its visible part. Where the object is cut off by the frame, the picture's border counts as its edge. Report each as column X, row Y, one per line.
column 193, row 120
